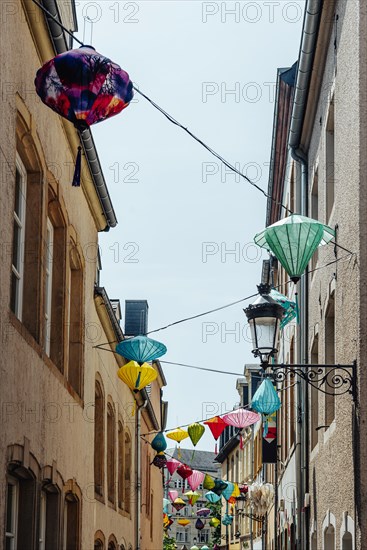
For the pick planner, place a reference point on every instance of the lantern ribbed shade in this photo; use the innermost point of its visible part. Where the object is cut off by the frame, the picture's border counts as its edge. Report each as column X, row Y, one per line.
column 141, row 349
column 137, row 376
column 212, row 497
column 293, row 240
column 266, row 399
column 195, row 432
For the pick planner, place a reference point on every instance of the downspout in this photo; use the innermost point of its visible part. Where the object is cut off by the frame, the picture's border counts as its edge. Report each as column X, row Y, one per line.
column 310, row 30
column 86, row 138
column 138, row 473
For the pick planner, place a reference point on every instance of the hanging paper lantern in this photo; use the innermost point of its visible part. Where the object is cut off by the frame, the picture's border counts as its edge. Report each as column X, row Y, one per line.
column 195, row 432
column 243, row 488
column 137, row 376
column 199, row 524
column 192, row 497
column 159, row 460
column 194, row 547
column 195, row 479
column 216, row 426
column 236, row 490
column 293, row 240
column 178, row 504
column 212, row 497
column 261, row 496
column 172, row 494
column 172, row 465
column 228, row 491
column 214, row 522
column 184, row 471
column 204, row 512
column 290, row 307
column 184, row 522
column 219, row 486
column 205, row 547
column 241, row 418
column 159, row 443
column 177, row 435
column 166, row 503
column 266, row 399
column 227, row 519
column 84, row 87
column 232, row 500
column 208, row 482
column 141, row 349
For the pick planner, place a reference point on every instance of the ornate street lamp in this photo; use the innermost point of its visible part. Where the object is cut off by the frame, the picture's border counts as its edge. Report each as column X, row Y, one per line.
column 264, row 318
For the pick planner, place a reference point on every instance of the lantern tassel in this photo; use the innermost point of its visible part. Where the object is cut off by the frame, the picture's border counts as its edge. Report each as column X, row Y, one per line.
column 216, row 448
column 77, row 171
column 266, row 425
column 241, row 441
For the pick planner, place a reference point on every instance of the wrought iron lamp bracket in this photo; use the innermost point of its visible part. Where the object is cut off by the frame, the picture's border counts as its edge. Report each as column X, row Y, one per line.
column 329, row 379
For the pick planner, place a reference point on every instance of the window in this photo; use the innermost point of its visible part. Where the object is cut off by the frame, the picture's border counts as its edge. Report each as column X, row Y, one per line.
column 347, row 542
column 17, row 277
column 181, row 535
column 11, row 514
column 71, row 522
column 99, row 440
column 49, row 518
column 56, row 329
column 127, row 469
column 121, row 465
column 314, row 396
column 204, row 535
column 329, row 538
column 99, row 541
column 21, row 511
column 111, row 453
column 330, row 358
column 112, row 543
column 75, row 368
column 48, row 286
column 330, row 161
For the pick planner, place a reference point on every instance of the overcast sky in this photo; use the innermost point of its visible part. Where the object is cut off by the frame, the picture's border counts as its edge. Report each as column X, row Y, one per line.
column 186, row 225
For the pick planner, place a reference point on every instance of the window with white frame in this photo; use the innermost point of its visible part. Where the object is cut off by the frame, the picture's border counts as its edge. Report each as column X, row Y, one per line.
column 17, row 275
column 11, row 514
column 204, row 535
column 182, row 535
column 48, row 284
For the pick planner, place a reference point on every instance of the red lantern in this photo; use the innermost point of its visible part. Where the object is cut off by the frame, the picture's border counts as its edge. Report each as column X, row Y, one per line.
column 184, row 471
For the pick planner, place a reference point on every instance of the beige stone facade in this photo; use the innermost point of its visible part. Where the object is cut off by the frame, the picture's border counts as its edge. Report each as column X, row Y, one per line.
column 68, row 446
column 328, row 143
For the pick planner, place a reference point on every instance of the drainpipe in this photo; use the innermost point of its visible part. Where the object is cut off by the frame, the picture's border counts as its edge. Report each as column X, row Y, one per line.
column 310, row 31
column 138, row 473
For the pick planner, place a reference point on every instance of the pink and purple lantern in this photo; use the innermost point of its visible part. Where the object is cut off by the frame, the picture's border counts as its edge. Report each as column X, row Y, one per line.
column 84, row 87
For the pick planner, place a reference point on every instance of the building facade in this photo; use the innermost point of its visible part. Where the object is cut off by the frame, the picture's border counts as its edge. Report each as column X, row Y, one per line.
column 68, row 438
column 323, row 158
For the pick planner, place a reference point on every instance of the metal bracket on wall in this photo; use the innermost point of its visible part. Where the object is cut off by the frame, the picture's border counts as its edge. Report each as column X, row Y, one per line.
column 329, row 379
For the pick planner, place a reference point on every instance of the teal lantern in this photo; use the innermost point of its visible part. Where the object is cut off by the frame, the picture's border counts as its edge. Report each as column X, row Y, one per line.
column 293, row 240
column 212, row 497
column 227, row 493
column 159, row 443
column 290, row 307
column 266, row 401
column 141, row 349
column 219, row 486
column 227, row 519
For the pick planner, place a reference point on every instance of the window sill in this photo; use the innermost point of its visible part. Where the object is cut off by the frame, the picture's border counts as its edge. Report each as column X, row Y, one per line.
column 21, row 329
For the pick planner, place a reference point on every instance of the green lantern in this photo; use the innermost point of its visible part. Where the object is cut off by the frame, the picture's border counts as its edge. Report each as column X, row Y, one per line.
column 196, row 432
column 293, row 241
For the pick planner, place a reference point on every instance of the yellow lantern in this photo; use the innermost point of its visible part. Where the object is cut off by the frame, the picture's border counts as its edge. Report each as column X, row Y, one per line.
column 137, row 376
column 183, row 522
column 177, row 435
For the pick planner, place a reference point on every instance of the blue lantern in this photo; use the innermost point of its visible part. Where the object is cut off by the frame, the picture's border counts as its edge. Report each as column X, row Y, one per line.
column 266, row 401
column 227, row 493
column 227, row 519
column 141, row 349
column 212, row 497
column 159, row 443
